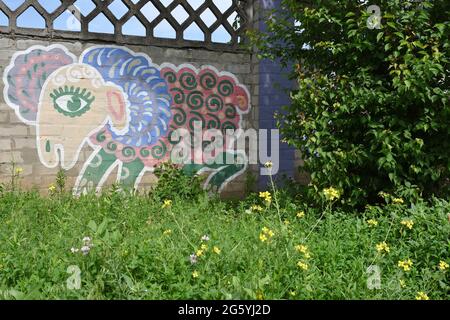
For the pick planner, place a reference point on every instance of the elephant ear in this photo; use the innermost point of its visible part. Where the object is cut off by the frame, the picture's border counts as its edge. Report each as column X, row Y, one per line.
column 24, row 78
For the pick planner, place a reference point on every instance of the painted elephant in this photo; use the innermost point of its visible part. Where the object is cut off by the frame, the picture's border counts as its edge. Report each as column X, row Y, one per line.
column 125, row 107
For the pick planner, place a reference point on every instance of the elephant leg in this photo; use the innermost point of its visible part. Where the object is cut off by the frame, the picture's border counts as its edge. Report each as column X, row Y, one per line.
column 95, row 172
column 220, row 178
column 221, row 171
column 130, row 173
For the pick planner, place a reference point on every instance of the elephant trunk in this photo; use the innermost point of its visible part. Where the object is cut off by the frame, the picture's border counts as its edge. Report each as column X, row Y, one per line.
column 55, row 149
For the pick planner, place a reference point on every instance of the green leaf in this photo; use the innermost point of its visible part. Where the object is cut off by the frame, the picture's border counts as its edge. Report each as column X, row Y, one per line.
column 379, row 36
column 92, row 225
column 408, row 84
column 391, row 24
column 101, row 228
column 392, row 177
column 129, row 282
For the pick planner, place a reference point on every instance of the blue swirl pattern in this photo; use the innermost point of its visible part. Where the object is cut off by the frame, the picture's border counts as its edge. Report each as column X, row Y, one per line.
column 148, row 96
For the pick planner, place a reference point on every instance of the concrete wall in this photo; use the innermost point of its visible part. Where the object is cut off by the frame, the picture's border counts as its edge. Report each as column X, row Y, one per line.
column 18, row 140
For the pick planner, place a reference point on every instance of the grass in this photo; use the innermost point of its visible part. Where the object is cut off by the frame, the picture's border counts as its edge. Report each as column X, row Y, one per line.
column 141, row 251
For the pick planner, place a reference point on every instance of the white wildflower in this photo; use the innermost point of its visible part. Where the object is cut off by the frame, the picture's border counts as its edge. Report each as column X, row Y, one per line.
column 85, row 250
column 193, row 258
column 87, row 241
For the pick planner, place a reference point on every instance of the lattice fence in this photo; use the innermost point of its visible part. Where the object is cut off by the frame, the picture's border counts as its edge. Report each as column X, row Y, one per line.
column 211, row 24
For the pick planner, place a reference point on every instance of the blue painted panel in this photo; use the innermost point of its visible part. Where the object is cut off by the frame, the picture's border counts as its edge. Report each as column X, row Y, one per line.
column 274, row 86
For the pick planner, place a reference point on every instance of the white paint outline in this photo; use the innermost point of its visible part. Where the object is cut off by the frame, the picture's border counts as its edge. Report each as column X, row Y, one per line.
column 13, row 63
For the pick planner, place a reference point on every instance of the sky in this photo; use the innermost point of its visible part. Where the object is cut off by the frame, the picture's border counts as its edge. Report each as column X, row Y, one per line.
column 66, row 21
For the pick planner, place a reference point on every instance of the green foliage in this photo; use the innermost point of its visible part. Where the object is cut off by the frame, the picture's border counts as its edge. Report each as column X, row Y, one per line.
column 250, row 182
column 371, row 112
column 61, row 181
column 15, row 177
column 141, row 251
column 173, row 181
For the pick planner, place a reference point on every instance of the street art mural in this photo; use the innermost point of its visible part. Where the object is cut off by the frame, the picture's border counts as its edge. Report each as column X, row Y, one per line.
column 125, row 107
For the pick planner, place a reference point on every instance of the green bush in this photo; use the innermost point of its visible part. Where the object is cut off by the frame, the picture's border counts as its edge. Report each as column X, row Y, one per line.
column 174, row 182
column 371, row 111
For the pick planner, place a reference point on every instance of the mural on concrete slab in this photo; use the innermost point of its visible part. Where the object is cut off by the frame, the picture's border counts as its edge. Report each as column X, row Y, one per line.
column 125, row 107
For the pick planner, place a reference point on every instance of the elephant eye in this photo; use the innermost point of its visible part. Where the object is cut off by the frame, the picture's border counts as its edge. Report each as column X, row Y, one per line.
column 71, row 101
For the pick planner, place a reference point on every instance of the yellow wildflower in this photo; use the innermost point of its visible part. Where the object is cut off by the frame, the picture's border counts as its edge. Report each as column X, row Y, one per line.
column 372, row 222
column 217, row 250
column 199, row 253
column 301, row 248
column 300, row 214
column 331, row 194
column 422, row 296
column 443, row 265
column 263, row 237
column 402, row 283
column 266, row 196
column 167, row 232
column 167, row 204
column 268, row 165
column 257, row 208
column 195, row 274
column 204, row 247
column 383, row 195
column 259, row 295
column 382, row 246
column 287, row 222
column 19, row 170
column 398, row 201
column 52, row 188
column 266, row 234
column 292, row 293
column 405, row 264
column 408, row 223
column 302, row 265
